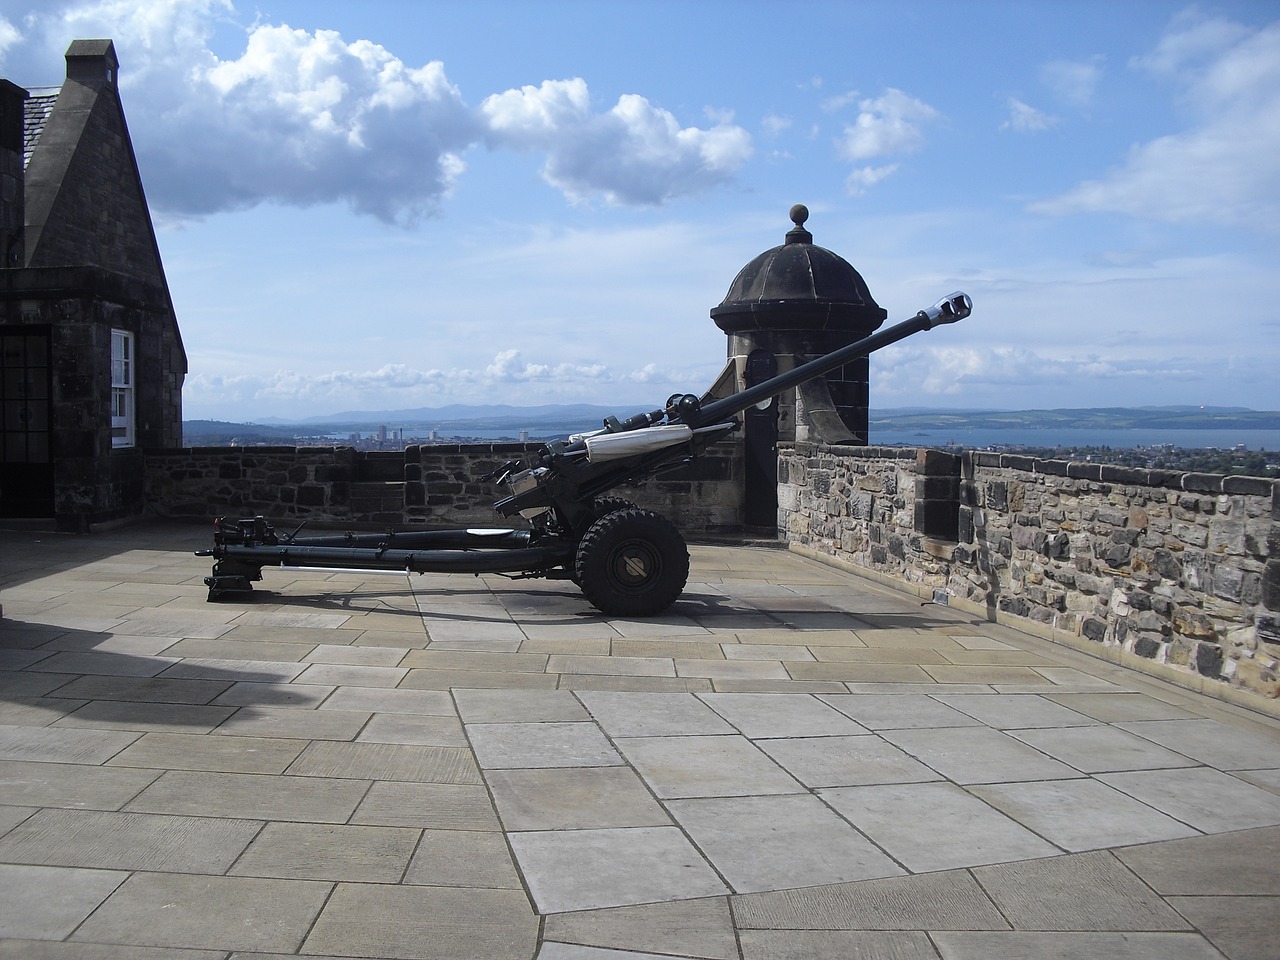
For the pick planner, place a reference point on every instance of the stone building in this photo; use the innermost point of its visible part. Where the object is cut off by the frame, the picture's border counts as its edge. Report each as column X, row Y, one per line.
column 92, row 360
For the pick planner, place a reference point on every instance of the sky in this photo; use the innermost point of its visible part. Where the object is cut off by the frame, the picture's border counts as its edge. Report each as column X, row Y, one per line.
column 394, row 204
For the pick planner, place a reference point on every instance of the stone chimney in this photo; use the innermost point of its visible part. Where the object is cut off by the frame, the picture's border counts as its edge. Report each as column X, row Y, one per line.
column 12, row 192
column 93, row 63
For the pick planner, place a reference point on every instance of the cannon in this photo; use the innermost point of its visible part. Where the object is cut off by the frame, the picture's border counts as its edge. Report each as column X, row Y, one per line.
column 628, row 561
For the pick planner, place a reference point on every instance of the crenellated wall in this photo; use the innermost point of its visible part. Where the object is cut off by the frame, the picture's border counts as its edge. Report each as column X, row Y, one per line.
column 432, row 485
column 1179, row 570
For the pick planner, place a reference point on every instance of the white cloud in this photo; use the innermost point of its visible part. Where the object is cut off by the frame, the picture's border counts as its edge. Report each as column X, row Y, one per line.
column 1074, row 82
column 635, row 153
column 9, row 35
column 292, row 393
column 1221, row 169
column 305, row 118
column 775, row 125
column 890, row 125
column 1024, row 118
column 863, row 178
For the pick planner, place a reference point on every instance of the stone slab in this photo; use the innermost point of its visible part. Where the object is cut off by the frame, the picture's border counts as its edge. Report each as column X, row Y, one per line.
column 1207, row 799
column 1113, row 707
column 978, row 755
column 405, row 728
column 1101, row 749
column 588, row 869
column 326, row 851
column 362, row 655
column 845, row 761
column 555, row 744
column 579, row 682
column 613, row 666
column 1211, row 743
column 700, row 766
column 764, row 651
column 626, row 714
column 1081, row 815
column 386, row 761
column 62, row 744
column 359, row 675
column 422, row 679
column 296, row 723
column 435, row 703
column 425, row 923
column 935, row 826
column 1243, row 928
column 1084, row 891
column 127, row 841
column 231, row 646
column 857, row 672
column 159, row 717
column 835, row 945
column 573, row 798
column 75, row 786
column 772, row 843
column 48, row 903
column 900, row 712
column 185, row 751
column 1074, row 946
column 238, row 671
column 950, row 900
column 1230, row 864
column 1015, row 712
column 66, row 950
column 462, row 858
column 251, row 797
column 691, row 928
column 181, row 910
column 442, row 806
column 104, row 664
column 258, row 694
column 732, row 669
column 515, row 706
column 760, row 715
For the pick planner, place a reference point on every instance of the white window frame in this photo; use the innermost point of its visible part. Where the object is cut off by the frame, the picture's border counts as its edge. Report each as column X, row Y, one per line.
column 123, row 363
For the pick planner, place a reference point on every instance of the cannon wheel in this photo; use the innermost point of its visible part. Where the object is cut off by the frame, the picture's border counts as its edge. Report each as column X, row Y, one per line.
column 632, row 563
column 600, row 507
column 606, row 505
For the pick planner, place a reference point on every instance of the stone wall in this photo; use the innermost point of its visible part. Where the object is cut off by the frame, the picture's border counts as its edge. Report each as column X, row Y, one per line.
column 432, row 485
column 1150, row 567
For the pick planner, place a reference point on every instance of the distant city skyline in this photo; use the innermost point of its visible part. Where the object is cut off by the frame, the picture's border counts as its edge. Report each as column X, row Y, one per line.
column 392, row 205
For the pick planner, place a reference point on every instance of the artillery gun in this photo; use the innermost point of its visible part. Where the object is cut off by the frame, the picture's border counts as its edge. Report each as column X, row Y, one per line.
column 628, row 561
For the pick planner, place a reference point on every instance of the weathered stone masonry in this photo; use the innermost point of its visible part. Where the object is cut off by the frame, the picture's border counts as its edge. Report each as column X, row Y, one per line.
column 1178, row 569
column 441, row 485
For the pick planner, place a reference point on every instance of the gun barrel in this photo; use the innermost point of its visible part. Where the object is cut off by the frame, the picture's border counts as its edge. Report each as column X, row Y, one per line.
column 955, row 307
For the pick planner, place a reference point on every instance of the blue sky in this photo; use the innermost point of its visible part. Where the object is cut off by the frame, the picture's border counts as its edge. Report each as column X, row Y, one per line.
column 393, row 204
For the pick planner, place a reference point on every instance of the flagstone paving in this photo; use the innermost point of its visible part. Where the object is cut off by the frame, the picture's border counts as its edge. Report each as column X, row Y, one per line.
column 793, row 762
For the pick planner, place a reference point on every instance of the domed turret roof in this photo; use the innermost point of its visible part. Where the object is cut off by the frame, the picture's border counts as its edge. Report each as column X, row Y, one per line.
column 798, row 286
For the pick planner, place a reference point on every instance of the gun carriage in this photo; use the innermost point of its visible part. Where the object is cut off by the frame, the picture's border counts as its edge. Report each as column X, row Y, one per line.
column 628, row 561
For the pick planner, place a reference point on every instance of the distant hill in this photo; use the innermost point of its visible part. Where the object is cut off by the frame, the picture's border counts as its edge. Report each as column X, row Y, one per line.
column 552, row 420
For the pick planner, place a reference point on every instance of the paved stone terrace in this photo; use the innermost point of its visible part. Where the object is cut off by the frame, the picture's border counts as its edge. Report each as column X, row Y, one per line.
column 795, row 763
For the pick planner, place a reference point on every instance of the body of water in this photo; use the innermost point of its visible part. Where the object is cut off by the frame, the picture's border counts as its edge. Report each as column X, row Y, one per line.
column 980, row 438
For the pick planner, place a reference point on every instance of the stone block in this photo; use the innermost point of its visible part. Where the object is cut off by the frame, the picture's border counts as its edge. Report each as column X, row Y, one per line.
column 1271, row 585
column 1202, row 482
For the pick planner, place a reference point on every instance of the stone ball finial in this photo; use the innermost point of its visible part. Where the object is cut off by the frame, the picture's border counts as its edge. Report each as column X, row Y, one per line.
column 798, row 234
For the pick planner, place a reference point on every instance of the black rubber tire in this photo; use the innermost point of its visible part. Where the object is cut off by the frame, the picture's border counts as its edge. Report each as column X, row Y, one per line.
column 632, row 563
column 603, row 506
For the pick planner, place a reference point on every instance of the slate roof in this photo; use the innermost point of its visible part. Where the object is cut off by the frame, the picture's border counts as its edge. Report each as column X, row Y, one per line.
column 36, row 115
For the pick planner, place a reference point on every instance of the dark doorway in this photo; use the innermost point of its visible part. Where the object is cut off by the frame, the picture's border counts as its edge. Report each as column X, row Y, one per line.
column 26, row 463
column 761, row 474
